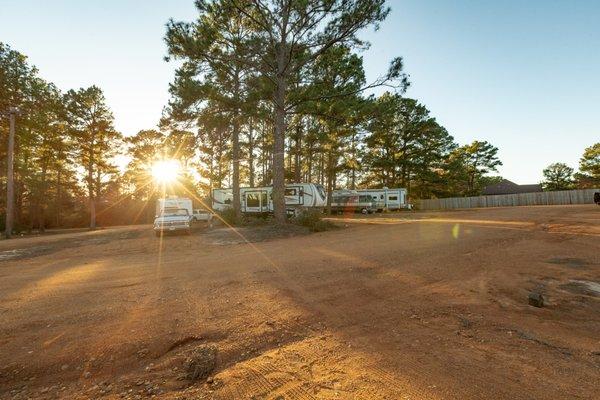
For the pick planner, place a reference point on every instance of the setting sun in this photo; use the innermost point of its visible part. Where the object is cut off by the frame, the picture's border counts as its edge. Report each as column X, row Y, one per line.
column 165, row 171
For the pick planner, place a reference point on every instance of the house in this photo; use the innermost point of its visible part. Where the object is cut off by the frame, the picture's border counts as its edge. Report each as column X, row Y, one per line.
column 508, row 187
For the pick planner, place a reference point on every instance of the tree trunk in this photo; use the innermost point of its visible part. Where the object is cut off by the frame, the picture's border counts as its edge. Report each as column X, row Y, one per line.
column 91, row 198
column 235, row 151
column 309, row 164
column 329, row 180
column 297, row 166
column 250, row 157
column 42, row 197
column 278, row 167
column 58, row 196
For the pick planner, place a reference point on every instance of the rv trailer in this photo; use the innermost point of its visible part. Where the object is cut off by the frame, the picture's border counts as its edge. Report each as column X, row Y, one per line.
column 351, row 201
column 259, row 200
column 388, row 199
column 173, row 203
column 176, row 214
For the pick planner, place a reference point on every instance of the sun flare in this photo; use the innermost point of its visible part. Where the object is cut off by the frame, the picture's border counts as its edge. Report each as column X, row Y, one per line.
column 165, row 171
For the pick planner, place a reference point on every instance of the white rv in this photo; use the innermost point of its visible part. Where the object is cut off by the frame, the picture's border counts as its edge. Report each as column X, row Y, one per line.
column 351, row 201
column 177, row 214
column 387, row 199
column 174, row 203
column 259, row 200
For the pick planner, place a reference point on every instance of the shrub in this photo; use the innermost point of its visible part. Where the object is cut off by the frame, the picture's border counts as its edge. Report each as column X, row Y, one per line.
column 313, row 220
column 229, row 217
column 322, row 226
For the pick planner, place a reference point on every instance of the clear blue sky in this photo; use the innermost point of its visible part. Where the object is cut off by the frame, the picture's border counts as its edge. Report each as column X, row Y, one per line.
column 524, row 75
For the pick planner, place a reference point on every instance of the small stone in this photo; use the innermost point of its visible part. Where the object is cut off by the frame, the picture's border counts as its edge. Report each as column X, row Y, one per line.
column 202, row 362
column 64, row 367
column 536, row 299
column 210, row 380
column 87, row 374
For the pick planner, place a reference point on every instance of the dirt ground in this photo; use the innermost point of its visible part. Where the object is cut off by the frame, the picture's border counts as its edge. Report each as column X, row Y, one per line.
column 396, row 306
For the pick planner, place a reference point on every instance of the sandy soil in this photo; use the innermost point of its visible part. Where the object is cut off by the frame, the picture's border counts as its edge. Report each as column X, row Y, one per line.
column 405, row 306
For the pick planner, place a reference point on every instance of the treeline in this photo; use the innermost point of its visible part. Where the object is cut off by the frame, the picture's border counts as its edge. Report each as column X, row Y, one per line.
column 277, row 93
column 265, row 93
column 65, row 143
column 559, row 176
column 65, row 169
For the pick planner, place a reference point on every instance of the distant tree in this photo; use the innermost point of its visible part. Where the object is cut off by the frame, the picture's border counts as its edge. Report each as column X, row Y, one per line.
column 214, row 51
column 337, row 72
column 96, row 140
column 558, row 176
column 51, row 140
column 477, row 159
column 144, row 149
column 406, row 147
column 589, row 168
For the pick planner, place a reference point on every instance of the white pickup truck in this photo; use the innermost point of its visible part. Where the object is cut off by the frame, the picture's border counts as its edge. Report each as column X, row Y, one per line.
column 176, row 214
column 203, row 215
column 171, row 220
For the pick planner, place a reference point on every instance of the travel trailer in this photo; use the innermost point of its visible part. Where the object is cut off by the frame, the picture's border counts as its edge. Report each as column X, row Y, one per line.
column 176, row 214
column 259, row 200
column 388, row 199
column 351, row 201
column 175, row 203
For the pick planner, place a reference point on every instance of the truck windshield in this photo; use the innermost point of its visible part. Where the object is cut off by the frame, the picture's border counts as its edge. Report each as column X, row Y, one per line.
column 182, row 212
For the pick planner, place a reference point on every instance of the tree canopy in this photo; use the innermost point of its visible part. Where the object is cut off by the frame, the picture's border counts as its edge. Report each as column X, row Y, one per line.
column 558, row 176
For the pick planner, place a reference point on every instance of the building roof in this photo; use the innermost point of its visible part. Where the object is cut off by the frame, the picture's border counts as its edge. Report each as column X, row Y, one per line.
column 508, row 187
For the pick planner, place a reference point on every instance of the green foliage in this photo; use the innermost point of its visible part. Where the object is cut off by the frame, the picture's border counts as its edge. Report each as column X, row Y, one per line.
column 558, row 176
column 313, row 220
column 473, row 162
column 231, row 217
column 406, row 146
column 589, row 168
column 96, row 141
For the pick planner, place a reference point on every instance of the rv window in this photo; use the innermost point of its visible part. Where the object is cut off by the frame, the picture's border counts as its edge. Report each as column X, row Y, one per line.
column 252, row 200
column 227, row 201
column 290, row 192
column 381, row 197
column 393, row 198
column 321, row 191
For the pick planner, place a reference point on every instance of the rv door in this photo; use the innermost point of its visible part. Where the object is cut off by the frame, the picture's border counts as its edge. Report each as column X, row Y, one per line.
column 256, row 201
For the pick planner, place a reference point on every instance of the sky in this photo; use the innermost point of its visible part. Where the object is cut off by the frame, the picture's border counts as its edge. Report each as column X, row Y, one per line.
column 523, row 75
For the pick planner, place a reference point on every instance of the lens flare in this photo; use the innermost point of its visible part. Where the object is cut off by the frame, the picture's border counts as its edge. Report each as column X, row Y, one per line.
column 165, row 171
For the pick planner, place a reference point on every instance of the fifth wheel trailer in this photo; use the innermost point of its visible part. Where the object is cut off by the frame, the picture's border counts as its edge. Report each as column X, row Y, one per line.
column 387, row 199
column 259, row 200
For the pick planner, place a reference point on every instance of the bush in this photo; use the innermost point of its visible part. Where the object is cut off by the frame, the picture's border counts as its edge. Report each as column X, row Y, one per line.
column 322, row 226
column 256, row 220
column 229, row 217
column 313, row 220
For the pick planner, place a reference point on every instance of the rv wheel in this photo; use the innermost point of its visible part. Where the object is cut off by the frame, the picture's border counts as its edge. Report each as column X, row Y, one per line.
column 364, row 211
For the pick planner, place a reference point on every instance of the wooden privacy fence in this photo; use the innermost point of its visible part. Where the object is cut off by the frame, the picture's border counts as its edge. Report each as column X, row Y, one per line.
column 583, row 196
